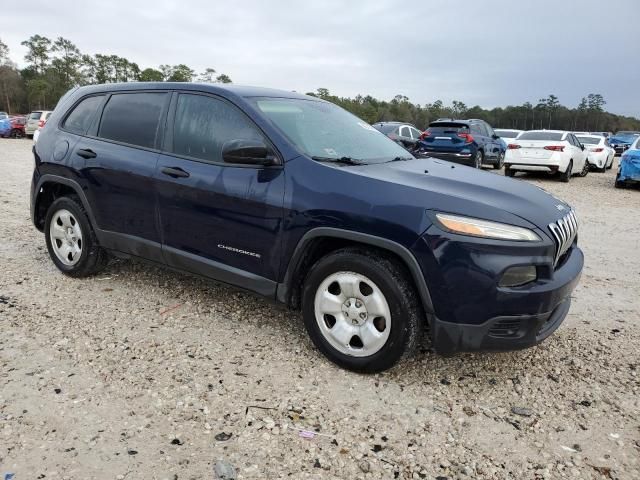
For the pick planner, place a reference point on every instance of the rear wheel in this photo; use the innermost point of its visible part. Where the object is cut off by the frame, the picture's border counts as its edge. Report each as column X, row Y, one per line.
column 566, row 176
column 361, row 310
column 16, row 133
column 478, row 159
column 71, row 242
column 498, row 165
column 619, row 183
column 608, row 167
column 585, row 169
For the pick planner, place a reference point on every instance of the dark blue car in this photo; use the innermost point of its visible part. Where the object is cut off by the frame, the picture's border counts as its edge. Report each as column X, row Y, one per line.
column 469, row 142
column 294, row 198
column 621, row 141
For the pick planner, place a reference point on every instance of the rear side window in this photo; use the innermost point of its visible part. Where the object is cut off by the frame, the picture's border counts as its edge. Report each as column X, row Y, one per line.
column 385, row 128
column 204, row 124
column 554, row 136
column 132, row 118
column 81, row 116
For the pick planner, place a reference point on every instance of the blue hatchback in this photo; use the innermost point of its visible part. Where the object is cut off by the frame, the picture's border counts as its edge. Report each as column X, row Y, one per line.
column 469, row 142
column 292, row 197
column 629, row 168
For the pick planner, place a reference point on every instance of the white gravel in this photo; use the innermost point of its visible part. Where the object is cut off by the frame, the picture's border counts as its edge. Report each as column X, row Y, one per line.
column 138, row 372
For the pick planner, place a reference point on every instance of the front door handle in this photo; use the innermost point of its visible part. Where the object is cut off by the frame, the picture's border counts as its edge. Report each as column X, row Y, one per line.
column 86, row 153
column 175, row 172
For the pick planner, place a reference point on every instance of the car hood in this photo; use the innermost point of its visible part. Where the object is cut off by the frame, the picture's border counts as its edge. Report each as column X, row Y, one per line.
column 481, row 194
column 621, row 140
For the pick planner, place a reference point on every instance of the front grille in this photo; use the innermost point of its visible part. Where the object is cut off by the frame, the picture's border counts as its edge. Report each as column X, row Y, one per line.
column 506, row 328
column 564, row 233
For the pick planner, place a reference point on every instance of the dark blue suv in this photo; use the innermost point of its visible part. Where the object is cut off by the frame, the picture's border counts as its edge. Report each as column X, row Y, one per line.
column 294, row 198
column 469, row 142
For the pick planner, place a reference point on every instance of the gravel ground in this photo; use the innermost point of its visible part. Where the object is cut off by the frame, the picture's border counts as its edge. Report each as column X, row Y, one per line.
column 142, row 373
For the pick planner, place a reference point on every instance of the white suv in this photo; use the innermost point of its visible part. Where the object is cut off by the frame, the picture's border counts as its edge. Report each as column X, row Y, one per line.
column 36, row 120
column 553, row 151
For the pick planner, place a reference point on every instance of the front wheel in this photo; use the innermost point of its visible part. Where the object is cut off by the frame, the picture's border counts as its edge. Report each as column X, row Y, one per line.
column 361, row 310
column 498, row 165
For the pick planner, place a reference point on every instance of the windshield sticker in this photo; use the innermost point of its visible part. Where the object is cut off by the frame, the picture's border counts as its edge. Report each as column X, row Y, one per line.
column 331, row 152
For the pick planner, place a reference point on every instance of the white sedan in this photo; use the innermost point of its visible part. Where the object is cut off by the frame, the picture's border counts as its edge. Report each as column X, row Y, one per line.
column 553, row 151
column 507, row 134
column 600, row 153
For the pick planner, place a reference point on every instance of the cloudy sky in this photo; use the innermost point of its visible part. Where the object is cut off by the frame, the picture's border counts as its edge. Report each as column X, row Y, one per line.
column 486, row 52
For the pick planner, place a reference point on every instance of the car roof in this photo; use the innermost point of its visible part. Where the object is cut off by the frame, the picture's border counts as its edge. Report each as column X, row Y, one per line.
column 239, row 90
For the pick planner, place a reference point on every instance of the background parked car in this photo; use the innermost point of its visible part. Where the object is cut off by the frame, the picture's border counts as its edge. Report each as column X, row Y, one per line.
column 629, row 169
column 36, row 119
column 600, row 153
column 507, row 134
column 5, row 127
column 403, row 133
column 621, row 141
column 470, row 142
column 3, row 115
column 550, row 151
column 604, row 134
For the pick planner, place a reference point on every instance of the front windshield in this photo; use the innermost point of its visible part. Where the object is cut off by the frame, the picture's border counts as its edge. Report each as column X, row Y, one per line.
column 326, row 131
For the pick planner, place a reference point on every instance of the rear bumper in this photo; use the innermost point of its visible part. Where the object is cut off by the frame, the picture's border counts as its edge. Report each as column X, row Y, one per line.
column 463, row 158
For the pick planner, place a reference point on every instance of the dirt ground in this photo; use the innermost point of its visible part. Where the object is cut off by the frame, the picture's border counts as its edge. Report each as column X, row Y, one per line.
column 141, row 373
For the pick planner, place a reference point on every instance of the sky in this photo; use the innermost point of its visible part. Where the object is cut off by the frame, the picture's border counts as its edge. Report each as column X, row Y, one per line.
column 482, row 52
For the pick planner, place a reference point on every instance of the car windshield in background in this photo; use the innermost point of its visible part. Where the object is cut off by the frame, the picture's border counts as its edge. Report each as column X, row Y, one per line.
column 589, row 140
column 325, row 131
column 506, row 133
column 448, row 128
column 554, row 136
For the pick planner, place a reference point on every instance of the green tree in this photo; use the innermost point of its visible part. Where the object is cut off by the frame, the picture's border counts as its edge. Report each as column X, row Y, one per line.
column 223, row 78
column 151, row 75
column 38, row 49
column 208, row 76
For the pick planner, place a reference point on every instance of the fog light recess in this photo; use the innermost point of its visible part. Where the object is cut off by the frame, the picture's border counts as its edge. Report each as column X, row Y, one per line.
column 518, row 276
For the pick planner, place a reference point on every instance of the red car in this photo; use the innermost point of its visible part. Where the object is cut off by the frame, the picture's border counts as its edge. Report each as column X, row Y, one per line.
column 17, row 127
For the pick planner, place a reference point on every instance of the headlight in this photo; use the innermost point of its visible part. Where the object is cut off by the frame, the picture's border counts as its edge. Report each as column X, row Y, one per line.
column 483, row 228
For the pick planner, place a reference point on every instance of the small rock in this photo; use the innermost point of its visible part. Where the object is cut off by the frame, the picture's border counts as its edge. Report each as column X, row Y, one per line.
column 224, row 471
column 522, row 411
column 176, row 441
column 365, row 466
column 223, row 436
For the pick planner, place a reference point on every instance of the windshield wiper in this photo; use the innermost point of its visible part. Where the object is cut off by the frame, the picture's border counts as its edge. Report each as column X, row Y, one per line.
column 345, row 160
column 401, row 159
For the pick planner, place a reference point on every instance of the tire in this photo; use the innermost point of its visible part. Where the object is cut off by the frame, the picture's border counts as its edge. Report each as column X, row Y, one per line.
column 508, row 172
column 15, row 133
column 478, row 159
column 498, row 165
column 610, row 164
column 585, row 169
column 566, row 176
column 369, row 281
column 619, row 183
column 71, row 242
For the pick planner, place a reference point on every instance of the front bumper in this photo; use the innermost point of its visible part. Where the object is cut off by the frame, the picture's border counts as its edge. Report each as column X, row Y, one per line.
column 472, row 312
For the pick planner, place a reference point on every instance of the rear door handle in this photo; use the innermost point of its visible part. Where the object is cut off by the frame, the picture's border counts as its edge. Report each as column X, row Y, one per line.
column 86, row 153
column 175, row 172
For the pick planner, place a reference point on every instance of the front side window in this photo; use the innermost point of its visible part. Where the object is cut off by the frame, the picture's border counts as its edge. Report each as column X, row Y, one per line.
column 133, row 118
column 80, row 118
column 326, row 131
column 204, row 124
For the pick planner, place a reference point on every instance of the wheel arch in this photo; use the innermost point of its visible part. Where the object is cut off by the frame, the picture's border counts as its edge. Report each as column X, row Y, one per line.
column 48, row 189
column 321, row 241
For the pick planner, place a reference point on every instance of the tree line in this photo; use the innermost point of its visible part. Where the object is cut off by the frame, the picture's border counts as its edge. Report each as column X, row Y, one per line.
column 546, row 113
column 55, row 66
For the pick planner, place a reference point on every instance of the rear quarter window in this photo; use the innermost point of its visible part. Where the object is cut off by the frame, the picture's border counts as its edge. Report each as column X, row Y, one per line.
column 80, row 118
column 133, row 118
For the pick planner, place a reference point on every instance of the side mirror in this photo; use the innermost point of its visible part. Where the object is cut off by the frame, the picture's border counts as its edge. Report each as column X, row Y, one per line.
column 581, row 147
column 248, row 152
column 495, row 136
